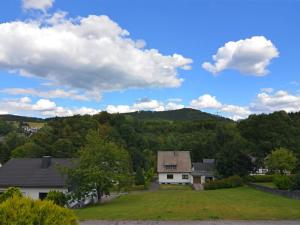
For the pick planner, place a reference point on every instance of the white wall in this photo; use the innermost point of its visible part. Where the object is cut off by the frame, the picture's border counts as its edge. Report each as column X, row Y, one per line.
column 34, row 192
column 177, row 178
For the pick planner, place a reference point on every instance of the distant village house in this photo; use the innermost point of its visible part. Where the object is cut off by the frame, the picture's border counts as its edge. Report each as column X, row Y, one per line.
column 176, row 167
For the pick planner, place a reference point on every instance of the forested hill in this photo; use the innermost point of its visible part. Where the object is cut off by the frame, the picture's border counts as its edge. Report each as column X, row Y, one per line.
column 143, row 134
column 185, row 114
column 9, row 117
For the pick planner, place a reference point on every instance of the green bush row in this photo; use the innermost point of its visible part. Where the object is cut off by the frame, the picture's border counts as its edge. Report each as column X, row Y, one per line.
column 230, row 182
column 260, row 178
column 283, row 182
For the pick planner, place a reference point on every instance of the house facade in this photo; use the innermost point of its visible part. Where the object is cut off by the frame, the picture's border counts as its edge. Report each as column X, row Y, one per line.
column 35, row 177
column 176, row 167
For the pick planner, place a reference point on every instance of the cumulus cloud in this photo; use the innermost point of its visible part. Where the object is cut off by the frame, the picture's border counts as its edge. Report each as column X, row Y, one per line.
column 91, row 53
column 206, row 102
column 280, row 100
column 56, row 93
column 42, row 107
column 144, row 104
column 42, row 5
column 248, row 56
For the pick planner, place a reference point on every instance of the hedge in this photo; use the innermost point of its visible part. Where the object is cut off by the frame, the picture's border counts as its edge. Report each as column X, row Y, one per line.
column 230, row 182
column 260, row 178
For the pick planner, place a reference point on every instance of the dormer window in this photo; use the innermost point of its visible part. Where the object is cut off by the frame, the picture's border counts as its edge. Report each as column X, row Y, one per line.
column 170, row 167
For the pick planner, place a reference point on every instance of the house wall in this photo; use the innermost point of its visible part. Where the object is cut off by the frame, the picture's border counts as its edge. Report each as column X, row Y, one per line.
column 177, row 178
column 34, row 192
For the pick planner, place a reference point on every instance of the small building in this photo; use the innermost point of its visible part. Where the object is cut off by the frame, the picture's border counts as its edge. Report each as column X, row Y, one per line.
column 203, row 172
column 174, row 167
column 35, row 177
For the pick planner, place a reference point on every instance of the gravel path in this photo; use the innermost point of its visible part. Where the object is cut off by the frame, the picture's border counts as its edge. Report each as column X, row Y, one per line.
column 219, row 222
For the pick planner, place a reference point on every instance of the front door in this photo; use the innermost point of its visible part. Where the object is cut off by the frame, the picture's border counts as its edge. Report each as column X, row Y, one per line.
column 197, row 180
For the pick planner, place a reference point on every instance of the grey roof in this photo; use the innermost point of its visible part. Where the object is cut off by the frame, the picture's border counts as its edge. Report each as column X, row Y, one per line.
column 29, row 173
column 2, row 139
column 205, row 168
column 180, row 159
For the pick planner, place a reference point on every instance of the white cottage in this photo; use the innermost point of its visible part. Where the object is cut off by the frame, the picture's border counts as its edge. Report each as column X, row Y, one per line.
column 35, row 176
column 174, row 167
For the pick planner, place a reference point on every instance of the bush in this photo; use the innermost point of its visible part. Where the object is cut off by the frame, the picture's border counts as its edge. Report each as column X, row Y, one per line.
column 296, row 182
column 57, row 197
column 260, row 178
column 230, row 182
column 18, row 210
column 283, row 182
column 9, row 193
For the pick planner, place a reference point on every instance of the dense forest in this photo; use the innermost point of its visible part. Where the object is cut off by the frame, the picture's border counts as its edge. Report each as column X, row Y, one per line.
column 142, row 134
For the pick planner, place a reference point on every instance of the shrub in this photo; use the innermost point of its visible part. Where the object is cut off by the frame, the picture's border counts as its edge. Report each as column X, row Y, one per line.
column 57, row 197
column 18, row 210
column 260, row 178
column 296, row 182
column 230, row 182
column 139, row 177
column 9, row 193
column 283, row 182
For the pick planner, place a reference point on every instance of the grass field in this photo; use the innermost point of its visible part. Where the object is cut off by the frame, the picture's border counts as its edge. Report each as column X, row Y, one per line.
column 174, row 187
column 238, row 203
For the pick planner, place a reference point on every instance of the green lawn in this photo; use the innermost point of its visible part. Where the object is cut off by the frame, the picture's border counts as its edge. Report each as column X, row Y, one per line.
column 174, row 187
column 242, row 203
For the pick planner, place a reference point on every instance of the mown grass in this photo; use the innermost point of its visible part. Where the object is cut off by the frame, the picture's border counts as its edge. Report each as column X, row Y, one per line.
column 174, row 187
column 242, row 203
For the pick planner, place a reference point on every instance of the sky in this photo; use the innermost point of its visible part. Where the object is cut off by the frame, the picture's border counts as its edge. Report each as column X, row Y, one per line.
column 228, row 57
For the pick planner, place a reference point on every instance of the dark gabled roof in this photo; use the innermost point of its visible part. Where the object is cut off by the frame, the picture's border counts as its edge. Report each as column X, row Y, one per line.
column 29, row 173
column 203, row 168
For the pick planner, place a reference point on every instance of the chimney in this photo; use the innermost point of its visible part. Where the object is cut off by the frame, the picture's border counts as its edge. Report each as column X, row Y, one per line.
column 46, row 162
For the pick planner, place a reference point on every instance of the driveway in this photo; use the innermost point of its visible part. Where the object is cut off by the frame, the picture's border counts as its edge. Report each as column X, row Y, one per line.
column 218, row 222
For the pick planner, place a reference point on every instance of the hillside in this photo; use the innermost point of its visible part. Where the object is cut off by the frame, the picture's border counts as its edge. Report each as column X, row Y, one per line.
column 9, row 117
column 185, row 114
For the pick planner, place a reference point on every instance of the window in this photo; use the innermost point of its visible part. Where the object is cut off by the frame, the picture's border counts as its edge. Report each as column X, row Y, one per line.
column 169, row 176
column 171, row 167
column 185, row 176
column 42, row 195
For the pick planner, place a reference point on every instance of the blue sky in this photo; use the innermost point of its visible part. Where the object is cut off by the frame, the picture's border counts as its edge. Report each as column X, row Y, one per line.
column 53, row 60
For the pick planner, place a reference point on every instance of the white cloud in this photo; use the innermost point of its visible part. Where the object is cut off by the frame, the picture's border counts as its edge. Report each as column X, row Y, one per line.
column 42, row 5
column 249, row 56
column 148, row 104
column 206, row 102
column 173, row 106
column 3, row 112
column 57, row 93
column 280, row 100
column 118, row 109
column 91, row 53
column 43, row 107
column 144, row 104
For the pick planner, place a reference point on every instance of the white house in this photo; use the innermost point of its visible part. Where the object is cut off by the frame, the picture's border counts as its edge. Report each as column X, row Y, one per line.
column 35, row 176
column 175, row 167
